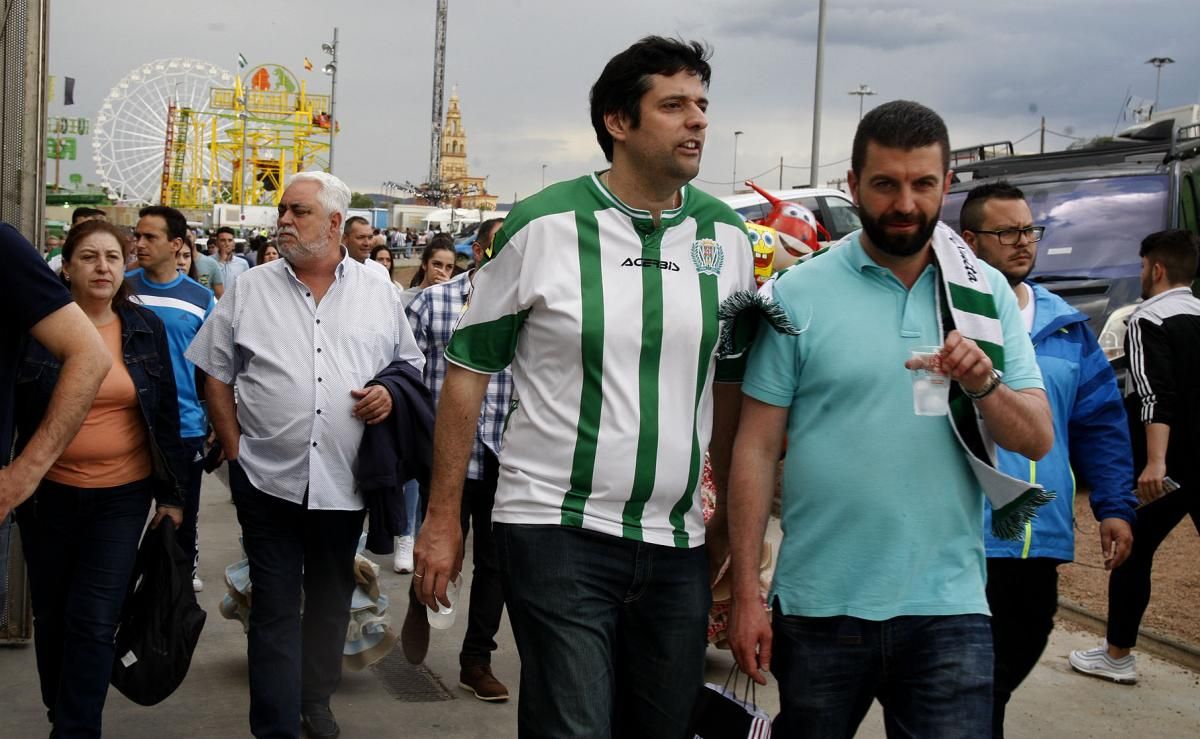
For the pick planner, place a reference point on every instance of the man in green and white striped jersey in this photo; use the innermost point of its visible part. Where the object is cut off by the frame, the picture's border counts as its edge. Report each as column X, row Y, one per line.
column 603, row 293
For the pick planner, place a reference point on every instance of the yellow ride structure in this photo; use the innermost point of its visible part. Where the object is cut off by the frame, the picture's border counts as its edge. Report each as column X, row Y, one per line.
column 255, row 133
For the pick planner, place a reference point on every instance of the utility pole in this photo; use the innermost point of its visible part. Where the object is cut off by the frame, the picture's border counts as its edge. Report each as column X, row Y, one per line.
column 736, row 135
column 862, row 91
column 439, row 90
column 543, row 176
column 816, row 131
column 1159, row 62
column 1042, row 146
column 780, row 173
column 331, row 70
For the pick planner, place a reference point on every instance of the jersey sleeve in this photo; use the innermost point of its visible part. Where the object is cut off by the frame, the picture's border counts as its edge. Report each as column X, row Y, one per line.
column 486, row 337
column 213, row 349
column 1150, row 371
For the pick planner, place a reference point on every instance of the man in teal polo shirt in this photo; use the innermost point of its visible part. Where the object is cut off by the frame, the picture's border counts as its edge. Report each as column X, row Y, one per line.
column 879, row 589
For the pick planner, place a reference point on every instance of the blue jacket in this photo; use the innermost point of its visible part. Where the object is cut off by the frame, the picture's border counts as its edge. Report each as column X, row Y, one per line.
column 1091, row 435
column 148, row 359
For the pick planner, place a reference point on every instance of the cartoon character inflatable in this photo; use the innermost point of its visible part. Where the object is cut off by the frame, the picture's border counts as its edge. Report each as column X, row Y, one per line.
column 796, row 224
column 763, row 239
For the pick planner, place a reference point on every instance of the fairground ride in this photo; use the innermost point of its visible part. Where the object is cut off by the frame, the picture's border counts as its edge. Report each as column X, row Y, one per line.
column 175, row 132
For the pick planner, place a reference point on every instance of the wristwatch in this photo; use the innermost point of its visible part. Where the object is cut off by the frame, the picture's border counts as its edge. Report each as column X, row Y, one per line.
column 987, row 388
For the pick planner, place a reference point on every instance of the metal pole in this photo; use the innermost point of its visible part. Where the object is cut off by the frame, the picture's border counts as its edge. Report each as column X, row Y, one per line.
column 333, row 100
column 815, row 162
column 543, row 176
column 242, row 180
column 736, row 134
column 1042, row 147
column 780, row 173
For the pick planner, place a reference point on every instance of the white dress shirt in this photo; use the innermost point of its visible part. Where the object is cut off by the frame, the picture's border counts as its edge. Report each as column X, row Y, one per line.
column 295, row 362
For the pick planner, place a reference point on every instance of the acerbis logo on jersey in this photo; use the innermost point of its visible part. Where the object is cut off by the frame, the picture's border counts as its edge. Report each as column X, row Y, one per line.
column 650, row 264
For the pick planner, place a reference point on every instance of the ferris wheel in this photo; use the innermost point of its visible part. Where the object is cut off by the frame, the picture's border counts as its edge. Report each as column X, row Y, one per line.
column 129, row 140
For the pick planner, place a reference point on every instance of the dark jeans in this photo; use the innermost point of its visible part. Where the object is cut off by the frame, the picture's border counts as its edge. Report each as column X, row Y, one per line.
column 1129, row 584
column 1023, row 596
column 80, row 547
column 611, row 631
column 487, row 588
column 294, row 660
column 188, row 534
column 932, row 674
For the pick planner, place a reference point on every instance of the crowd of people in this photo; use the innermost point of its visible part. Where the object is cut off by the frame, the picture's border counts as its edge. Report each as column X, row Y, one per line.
column 607, row 334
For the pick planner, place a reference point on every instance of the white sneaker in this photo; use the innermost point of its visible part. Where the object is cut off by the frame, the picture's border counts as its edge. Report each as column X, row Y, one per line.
column 197, row 585
column 1098, row 663
column 403, row 561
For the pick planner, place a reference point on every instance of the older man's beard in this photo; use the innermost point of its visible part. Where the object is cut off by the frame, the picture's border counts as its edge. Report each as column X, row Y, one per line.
column 299, row 249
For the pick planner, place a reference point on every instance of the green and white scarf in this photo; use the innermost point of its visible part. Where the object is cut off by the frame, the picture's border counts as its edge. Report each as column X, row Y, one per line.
column 972, row 310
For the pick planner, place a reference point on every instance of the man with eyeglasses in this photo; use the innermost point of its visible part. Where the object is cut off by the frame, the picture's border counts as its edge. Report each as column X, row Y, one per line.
column 1091, row 437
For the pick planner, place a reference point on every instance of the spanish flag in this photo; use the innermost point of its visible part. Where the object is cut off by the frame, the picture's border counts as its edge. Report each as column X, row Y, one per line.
column 308, row 64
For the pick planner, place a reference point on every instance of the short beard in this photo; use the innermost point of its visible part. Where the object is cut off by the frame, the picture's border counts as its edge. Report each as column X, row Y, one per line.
column 898, row 246
column 300, row 251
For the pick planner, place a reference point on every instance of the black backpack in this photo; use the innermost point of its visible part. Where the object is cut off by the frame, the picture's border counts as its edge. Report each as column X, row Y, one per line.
column 160, row 622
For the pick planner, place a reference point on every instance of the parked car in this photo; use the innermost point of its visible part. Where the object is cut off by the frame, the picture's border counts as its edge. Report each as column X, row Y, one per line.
column 1097, row 205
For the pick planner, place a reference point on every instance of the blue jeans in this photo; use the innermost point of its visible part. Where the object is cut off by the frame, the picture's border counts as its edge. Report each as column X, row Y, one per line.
column 611, row 631
column 932, row 674
column 412, row 508
column 80, row 546
column 188, row 534
column 294, row 660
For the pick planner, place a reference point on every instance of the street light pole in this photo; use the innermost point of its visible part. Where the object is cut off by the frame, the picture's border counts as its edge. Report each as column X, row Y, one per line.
column 815, row 162
column 1159, row 62
column 862, row 91
column 543, row 176
column 331, row 70
column 736, row 134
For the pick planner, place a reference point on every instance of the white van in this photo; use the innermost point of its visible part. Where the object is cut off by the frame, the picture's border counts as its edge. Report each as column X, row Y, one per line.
column 833, row 208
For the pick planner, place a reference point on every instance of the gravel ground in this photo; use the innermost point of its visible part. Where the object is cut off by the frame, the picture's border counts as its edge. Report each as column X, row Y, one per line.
column 1175, row 594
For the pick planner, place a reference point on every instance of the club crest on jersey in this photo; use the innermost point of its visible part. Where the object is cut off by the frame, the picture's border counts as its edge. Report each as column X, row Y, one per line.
column 708, row 256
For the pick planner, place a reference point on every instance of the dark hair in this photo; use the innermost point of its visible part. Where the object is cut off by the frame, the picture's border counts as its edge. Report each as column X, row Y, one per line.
column 226, row 230
column 626, row 78
column 1177, row 250
column 441, row 242
column 176, row 223
column 261, row 251
column 376, row 249
column 189, row 243
column 970, row 218
column 351, row 222
column 900, row 124
column 488, row 225
column 83, row 212
column 81, row 232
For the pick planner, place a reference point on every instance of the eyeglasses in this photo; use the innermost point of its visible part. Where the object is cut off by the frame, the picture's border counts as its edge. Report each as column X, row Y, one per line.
column 1012, row 236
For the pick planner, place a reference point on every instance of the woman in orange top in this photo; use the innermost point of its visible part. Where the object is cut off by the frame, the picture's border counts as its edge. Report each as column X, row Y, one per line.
column 80, row 530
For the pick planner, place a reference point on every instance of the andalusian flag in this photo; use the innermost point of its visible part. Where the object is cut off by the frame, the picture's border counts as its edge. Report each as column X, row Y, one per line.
column 241, row 60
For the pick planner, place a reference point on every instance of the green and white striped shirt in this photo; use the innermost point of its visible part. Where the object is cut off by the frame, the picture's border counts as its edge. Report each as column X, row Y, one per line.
column 610, row 325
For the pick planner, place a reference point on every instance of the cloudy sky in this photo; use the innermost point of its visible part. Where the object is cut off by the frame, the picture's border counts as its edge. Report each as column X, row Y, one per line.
column 523, row 69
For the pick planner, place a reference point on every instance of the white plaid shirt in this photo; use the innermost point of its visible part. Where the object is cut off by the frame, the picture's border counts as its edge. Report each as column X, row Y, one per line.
column 433, row 315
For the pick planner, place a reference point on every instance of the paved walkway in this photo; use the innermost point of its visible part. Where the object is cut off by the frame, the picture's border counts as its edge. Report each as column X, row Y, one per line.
column 213, row 702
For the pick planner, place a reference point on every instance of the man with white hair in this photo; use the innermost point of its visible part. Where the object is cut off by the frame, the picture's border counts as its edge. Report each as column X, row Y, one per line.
column 301, row 338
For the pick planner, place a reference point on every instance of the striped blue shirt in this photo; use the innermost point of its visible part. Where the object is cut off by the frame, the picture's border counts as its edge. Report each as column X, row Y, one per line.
column 433, row 314
column 183, row 305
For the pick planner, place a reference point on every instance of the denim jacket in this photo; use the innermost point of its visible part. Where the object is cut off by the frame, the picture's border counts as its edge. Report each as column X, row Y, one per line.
column 144, row 346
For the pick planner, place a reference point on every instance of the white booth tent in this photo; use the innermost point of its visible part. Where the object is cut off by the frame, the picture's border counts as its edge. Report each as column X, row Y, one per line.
column 452, row 220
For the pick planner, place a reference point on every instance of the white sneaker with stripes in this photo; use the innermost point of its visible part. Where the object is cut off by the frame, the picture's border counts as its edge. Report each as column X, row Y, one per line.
column 1097, row 663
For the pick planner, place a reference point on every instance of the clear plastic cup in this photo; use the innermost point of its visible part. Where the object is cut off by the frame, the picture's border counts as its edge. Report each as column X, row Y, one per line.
column 931, row 388
column 443, row 617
